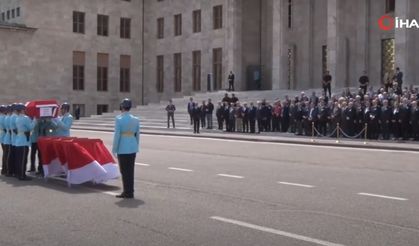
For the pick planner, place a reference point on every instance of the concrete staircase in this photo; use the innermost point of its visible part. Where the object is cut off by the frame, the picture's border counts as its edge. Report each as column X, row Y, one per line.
column 153, row 116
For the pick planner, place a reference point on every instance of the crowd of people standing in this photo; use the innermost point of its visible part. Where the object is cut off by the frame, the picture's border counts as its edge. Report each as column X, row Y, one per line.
column 391, row 112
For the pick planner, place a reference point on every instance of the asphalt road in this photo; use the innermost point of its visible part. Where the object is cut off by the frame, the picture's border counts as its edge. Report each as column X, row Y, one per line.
column 193, row 191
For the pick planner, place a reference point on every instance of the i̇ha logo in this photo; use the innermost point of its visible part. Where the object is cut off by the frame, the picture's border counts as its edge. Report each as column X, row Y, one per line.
column 387, row 23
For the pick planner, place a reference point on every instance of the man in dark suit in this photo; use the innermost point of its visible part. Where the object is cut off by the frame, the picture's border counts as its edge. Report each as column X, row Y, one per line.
column 226, row 99
column 252, row 117
column 219, row 114
column 327, row 83
column 245, row 113
column 285, row 119
column 398, row 77
column 385, row 120
column 364, row 82
column 405, row 112
column 324, row 113
column 231, row 78
column 374, row 116
column 196, row 115
column 414, row 120
column 226, row 115
column 190, row 107
column 313, row 119
column 209, row 111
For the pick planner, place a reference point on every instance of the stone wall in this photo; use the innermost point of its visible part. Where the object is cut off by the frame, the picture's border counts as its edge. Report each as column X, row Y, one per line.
column 41, row 65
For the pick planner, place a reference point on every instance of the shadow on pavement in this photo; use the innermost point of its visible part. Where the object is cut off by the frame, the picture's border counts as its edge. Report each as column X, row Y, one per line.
column 58, row 184
column 130, row 203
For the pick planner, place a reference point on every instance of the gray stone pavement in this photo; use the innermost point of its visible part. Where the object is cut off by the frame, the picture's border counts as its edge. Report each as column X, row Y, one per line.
column 215, row 192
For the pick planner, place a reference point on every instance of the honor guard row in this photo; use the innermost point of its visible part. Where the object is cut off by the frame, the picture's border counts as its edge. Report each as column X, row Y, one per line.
column 18, row 133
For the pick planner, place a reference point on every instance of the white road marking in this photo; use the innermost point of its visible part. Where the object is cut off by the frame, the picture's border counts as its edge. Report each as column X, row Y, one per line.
column 142, row 164
column 295, row 184
column 230, row 176
column 180, row 169
column 274, row 231
column 382, row 196
column 355, row 148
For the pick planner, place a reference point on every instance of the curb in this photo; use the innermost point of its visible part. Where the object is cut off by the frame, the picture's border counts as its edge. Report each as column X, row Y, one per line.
column 355, row 145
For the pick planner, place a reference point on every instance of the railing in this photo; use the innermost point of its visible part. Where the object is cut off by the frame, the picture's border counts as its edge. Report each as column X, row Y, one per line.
column 339, row 132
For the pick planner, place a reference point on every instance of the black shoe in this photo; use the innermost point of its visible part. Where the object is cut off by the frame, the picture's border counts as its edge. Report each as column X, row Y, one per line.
column 124, row 196
column 31, row 171
column 25, row 179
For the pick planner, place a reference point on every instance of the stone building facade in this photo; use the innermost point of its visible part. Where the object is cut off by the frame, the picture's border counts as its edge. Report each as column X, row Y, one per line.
column 39, row 52
column 176, row 46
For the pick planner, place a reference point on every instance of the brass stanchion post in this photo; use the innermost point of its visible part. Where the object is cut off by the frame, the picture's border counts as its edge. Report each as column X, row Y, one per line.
column 366, row 133
column 337, row 133
column 312, row 132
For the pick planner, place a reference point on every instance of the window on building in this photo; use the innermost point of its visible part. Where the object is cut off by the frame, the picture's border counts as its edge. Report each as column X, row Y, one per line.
column 390, row 6
column 18, row 12
column 160, row 74
column 126, row 28
column 78, row 70
column 196, row 63
column 217, row 64
column 3, row 16
column 102, row 71
column 8, row 14
column 289, row 14
column 102, row 108
column 80, row 107
column 125, row 73
column 178, row 25
column 78, row 22
column 218, row 17
column 102, row 25
column 13, row 13
column 160, row 28
column 196, row 15
column 178, row 72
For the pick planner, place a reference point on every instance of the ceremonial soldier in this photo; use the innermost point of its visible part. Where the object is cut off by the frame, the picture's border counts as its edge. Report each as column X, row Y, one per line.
column 64, row 122
column 126, row 146
column 3, row 111
column 7, row 143
column 13, row 132
column 24, row 126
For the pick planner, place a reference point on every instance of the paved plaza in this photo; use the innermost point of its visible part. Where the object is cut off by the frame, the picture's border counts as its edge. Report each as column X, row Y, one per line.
column 193, row 191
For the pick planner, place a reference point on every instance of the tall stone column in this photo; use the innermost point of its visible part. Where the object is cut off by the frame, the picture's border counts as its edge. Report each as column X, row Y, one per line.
column 233, row 43
column 337, row 46
column 332, row 39
column 405, row 43
column 279, row 49
column 362, row 41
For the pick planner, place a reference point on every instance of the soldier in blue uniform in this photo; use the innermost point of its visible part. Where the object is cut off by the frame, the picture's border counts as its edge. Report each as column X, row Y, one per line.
column 12, row 132
column 24, row 126
column 7, row 141
column 126, row 146
column 3, row 111
column 63, row 124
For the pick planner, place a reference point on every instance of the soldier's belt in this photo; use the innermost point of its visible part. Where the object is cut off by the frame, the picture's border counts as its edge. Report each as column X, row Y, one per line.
column 128, row 134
